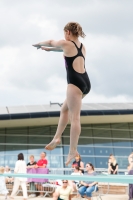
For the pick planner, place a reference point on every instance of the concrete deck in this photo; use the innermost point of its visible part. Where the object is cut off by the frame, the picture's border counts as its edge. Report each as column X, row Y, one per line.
column 107, row 197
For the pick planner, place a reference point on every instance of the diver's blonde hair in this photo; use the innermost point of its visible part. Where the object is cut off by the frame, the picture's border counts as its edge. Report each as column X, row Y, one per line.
column 75, row 29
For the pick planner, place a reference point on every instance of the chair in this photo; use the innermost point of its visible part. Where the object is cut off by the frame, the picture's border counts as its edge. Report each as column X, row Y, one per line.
column 96, row 193
column 49, row 188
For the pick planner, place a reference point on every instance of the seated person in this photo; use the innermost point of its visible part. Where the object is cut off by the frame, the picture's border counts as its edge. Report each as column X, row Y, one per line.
column 32, row 164
column 128, row 169
column 88, row 186
column 3, row 189
column 8, row 179
column 53, row 183
column 130, row 187
column 42, row 163
column 109, row 163
column 130, row 158
column 63, row 192
column 113, row 168
column 75, row 182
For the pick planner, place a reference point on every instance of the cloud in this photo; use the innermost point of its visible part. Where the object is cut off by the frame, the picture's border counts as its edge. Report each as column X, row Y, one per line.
column 110, row 64
column 30, row 76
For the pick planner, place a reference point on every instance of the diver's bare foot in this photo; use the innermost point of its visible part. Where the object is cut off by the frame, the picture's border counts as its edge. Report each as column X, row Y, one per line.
column 70, row 156
column 53, row 144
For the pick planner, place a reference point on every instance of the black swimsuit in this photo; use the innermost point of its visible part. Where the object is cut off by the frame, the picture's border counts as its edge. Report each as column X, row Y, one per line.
column 81, row 80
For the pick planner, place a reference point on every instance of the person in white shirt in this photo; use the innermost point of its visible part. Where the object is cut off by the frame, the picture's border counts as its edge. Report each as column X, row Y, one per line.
column 75, row 182
column 3, row 189
column 20, row 167
column 8, row 171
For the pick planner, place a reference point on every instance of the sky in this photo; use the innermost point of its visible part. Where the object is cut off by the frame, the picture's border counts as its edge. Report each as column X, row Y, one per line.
column 32, row 77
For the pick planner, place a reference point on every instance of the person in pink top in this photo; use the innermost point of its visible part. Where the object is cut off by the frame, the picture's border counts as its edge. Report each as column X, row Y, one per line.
column 42, row 163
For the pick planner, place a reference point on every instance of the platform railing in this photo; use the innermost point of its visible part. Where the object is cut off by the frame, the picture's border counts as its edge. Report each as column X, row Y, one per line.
column 49, row 187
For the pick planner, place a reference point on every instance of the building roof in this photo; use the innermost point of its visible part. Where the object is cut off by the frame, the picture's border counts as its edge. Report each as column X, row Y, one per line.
column 53, row 110
column 44, row 115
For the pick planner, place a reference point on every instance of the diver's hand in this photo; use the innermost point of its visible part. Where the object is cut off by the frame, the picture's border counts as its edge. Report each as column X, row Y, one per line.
column 38, row 46
column 46, row 48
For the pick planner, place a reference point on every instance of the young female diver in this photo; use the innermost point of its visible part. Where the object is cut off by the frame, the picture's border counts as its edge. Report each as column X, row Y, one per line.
column 78, row 84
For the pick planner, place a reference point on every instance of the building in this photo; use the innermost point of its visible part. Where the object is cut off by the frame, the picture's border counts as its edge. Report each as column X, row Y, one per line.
column 106, row 129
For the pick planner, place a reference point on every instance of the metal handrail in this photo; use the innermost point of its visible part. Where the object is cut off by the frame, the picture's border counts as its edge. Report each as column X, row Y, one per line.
column 50, row 188
column 71, row 169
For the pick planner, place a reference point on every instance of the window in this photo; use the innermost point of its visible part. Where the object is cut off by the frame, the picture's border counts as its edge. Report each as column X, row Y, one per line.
column 86, row 131
column 16, row 139
column 122, row 151
column 120, row 131
column 16, row 149
column 55, row 161
column 102, row 142
column 96, row 143
column 17, row 131
column 2, row 160
column 42, row 140
column 102, row 135
column 131, row 133
column 37, row 131
column 121, row 143
column 85, row 150
column 10, row 160
column 122, row 162
column 103, row 151
column 101, row 162
column 88, row 159
column 2, row 149
column 2, row 135
column 2, row 139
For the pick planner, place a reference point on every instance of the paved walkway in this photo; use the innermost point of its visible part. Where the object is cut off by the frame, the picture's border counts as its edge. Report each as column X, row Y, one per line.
column 108, row 197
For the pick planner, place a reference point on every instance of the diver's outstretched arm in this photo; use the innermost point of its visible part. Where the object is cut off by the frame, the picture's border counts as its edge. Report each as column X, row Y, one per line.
column 51, row 43
column 56, row 49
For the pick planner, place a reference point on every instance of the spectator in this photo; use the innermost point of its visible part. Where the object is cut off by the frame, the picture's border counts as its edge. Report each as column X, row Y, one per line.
column 109, row 163
column 88, row 186
column 20, row 167
column 128, row 169
column 78, row 163
column 42, row 163
column 113, row 169
column 130, row 172
column 130, row 160
column 111, row 155
column 3, row 189
column 8, row 171
column 77, row 171
column 32, row 164
column 57, row 182
column 75, row 182
column 63, row 192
